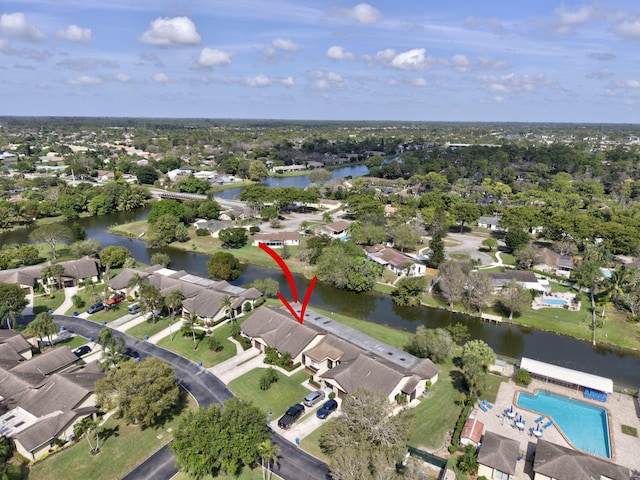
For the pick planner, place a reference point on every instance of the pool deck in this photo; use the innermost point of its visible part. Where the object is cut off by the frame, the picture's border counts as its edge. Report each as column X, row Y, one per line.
column 621, row 411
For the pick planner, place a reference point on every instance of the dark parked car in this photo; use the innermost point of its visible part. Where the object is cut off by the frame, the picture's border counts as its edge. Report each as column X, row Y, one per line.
column 83, row 350
column 133, row 309
column 327, row 409
column 294, row 412
column 96, row 307
column 313, row 398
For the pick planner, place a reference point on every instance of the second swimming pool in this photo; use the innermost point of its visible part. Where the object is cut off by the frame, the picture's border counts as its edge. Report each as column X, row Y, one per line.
column 586, row 426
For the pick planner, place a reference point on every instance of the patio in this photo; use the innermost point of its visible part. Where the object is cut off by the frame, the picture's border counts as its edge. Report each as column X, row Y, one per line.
column 621, row 410
column 557, row 300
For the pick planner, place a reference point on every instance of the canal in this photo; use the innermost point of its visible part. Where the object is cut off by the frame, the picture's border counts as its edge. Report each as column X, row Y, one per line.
column 623, row 366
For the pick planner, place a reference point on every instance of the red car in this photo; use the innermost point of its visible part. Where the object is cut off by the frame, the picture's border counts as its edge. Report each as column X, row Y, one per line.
column 117, row 298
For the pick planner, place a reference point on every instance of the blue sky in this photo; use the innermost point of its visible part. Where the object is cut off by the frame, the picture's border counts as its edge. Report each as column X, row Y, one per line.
column 408, row 60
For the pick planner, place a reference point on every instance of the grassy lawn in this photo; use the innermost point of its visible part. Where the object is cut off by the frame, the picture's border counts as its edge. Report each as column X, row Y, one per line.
column 184, row 346
column 73, row 342
column 437, row 413
column 44, row 303
column 122, row 447
column 282, row 394
column 384, row 288
column 149, row 328
column 310, row 443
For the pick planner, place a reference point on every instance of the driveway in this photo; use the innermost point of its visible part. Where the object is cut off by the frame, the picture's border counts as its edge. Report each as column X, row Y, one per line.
column 293, row 463
column 468, row 245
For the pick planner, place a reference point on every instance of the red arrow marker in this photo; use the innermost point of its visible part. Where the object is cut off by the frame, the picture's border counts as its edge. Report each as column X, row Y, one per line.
column 285, row 269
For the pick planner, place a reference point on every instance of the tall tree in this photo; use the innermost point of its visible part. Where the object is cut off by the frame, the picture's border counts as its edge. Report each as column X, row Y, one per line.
column 113, row 348
column 52, row 234
column 366, row 437
column 476, row 358
column 173, row 301
column 151, row 300
column 223, row 266
column 143, row 392
column 217, row 441
column 91, row 429
column 12, row 302
column 478, row 290
column 452, row 279
column 513, row 298
column 268, row 455
column 42, row 326
column 465, row 212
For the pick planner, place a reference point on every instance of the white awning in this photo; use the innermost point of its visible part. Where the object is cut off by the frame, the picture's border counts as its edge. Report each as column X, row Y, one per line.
column 567, row 375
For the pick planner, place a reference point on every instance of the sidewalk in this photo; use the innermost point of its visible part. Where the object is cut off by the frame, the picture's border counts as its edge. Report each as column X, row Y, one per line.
column 230, row 369
column 69, row 292
column 173, row 329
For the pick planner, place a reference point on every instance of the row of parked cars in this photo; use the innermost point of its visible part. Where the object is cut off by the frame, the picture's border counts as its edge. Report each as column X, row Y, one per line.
column 295, row 411
column 99, row 306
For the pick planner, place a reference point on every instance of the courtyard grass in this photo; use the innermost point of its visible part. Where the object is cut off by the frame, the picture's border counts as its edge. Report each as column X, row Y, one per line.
column 44, row 303
column 73, row 342
column 311, row 443
column 122, row 447
column 149, row 328
column 184, row 345
column 282, row 394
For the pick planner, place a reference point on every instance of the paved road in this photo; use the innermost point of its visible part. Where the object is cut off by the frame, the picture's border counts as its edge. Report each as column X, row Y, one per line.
column 293, row 463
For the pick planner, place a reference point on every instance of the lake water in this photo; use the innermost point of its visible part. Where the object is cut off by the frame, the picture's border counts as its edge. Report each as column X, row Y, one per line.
column 623, row 366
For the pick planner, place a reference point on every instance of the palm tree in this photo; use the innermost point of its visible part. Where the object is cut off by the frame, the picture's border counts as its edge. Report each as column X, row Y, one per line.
column 7, row 316
column 468, row 461
column 56, row 271
column 113, row 348
column 615, row 286
column 268, row 454
column 189, row 328
column 225, row 304
column 151, row 300
column 173, row 301
column 136, row 282
column 42, row 326
column 89, row 427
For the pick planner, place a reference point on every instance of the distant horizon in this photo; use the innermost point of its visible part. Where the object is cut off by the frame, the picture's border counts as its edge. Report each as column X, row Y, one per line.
column 293, row 120
column 561, row 61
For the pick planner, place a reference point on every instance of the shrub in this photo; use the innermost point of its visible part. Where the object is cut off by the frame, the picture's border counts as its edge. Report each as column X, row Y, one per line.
column 332, row 395
column 214, row 343
column 522, row 377
column 254, row 229
column 202, row 232
column 269, row 377
column 78, row 302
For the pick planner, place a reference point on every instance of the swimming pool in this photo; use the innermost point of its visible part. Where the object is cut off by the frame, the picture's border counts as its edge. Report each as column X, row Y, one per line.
column 554, row 301
column 586, row 426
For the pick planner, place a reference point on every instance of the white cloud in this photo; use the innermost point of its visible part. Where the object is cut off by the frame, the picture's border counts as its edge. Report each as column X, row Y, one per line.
column 257, row 81
column 513, row 83
column 212, row 57
column 334, row 77
column 460, row 63
column 124, row 78
column 164, row 78
column 85, row 80
column 16, row 25
column 631, row 84
column 337, row 52
column 603, row 57
column 285, row 45
column 628, row 29
column 287, row 81
column 361, row 13
column 76, row 34
column 411, row 60
column 321, row 80
column 419, row 82
column 165, row 32
column 568, row 20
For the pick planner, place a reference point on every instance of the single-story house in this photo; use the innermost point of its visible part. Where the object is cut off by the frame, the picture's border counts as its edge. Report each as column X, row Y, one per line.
column 398, row 262
column 43, row 402
column 277, row 239
column 526, row 279
column 214, row 226
column 553, row 462
column 490, row 223
column 202, row 296
column 14, row 348
column 340, row 358
column 289, row 168
column 552, row 262
column 75, row 271
column 472, row 432
column 498, row 457
column 335, row 229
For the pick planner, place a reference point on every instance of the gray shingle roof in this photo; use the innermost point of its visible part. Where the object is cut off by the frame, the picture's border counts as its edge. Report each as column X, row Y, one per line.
column 44, row 430
column 36, row 370
column 566, row 464
column 364, row 372
column 499, row 452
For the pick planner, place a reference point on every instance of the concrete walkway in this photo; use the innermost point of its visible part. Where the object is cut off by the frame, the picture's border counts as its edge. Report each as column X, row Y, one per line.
column 231, row 369
column 69, row 292
column 124, row 323
column 171, row 330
